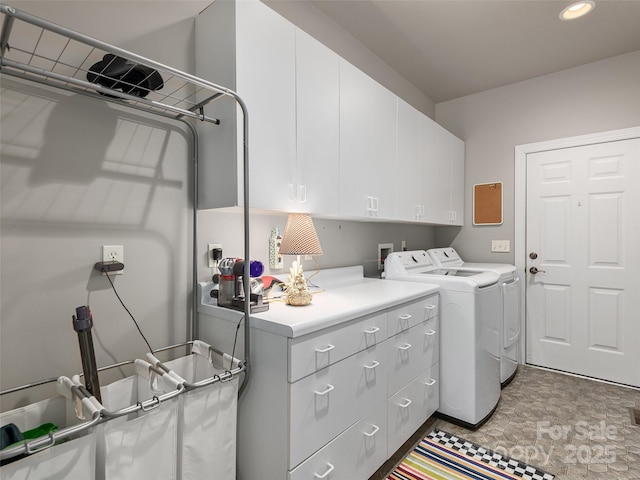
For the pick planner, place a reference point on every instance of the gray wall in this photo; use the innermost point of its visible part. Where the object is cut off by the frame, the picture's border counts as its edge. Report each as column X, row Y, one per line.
column 344, row 243
column 78, row 173
column 597, row 97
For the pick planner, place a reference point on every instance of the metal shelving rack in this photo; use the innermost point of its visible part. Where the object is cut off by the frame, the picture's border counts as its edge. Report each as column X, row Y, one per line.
column 40, row 51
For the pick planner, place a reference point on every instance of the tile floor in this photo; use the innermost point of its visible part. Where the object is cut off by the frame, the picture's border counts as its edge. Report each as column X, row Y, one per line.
column 572, row 427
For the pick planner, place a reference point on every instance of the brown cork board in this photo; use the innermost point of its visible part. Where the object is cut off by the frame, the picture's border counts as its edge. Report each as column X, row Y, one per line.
column 487, row 204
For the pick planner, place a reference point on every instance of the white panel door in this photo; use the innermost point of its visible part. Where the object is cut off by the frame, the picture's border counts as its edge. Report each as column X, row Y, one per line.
column 583, row 228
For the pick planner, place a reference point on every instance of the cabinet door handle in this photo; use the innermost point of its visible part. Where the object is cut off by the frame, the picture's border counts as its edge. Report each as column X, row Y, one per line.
column 406, row 346
column 302, row 193
column 430, row 333
column 430, row 382
column 369, row 204
column 372, row 330
column 375, row 430
column 325, row 350
column 406, row 403
column 372, row 366
column 406, row 316
column 325, row 474
column 325, row 391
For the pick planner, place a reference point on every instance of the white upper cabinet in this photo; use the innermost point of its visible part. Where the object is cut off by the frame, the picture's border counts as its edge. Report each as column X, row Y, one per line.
column 457, row 181
column 368, row 132
column 324, row 138
column 249, row 48
column 444, row 159
column 316, row 187
column 410, row 165
column 430, row 170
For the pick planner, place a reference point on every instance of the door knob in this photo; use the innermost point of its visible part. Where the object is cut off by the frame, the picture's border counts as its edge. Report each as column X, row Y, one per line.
column 534, row 270
column 533, row 255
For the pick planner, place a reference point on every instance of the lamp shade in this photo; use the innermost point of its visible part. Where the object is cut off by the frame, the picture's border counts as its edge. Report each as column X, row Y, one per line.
column 300, row 237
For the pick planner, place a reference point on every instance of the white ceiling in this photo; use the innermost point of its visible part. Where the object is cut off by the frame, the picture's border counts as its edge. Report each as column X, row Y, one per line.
column 446, row 48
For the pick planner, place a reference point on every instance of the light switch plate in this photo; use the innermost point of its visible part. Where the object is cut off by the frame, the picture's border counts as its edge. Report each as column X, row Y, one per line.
column 500, row 246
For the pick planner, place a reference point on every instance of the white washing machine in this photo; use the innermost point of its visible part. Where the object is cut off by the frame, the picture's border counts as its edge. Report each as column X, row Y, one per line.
column 470, row 344
column 510, row 305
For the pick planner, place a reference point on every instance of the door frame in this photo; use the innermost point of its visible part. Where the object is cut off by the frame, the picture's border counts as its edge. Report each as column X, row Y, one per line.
column 520, row 203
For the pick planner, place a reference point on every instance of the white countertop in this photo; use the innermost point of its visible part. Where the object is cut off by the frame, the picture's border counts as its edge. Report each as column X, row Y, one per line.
column 339, row 302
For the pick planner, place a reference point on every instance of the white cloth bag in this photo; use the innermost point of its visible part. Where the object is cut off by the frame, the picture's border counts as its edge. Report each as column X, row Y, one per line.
column 142, row 445
column 209, row 419
column 71, row 460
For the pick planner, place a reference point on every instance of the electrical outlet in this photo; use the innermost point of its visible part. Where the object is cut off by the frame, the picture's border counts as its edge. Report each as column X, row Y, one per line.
column 211, row 262
column 113, row 253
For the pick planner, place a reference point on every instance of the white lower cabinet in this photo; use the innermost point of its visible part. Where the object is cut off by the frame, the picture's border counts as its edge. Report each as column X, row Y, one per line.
column 337, row 402
column 411, row 406
column 327, row 402
column 356, row 453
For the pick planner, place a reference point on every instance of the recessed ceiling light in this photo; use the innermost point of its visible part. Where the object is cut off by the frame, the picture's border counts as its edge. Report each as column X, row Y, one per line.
column 577, row 10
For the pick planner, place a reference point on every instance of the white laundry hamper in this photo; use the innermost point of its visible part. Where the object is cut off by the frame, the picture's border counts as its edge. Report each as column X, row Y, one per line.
column 66, row 459
column 142, row 444
column 208, row 422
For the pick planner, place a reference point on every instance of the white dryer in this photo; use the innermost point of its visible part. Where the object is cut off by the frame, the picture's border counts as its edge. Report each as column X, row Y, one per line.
column 469, row 342
column 510, row 305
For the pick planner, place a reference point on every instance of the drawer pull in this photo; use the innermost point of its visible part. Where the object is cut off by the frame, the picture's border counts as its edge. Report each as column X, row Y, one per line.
column 406, row 316
column 325, row 474
column 406, row 346
column 325, row 350
column 372, row 330
column 406, row 403
column 430, row 333
column 372, row 366
column 325, row 391
column 430, row 382
column 430, row 307
column 375, row 430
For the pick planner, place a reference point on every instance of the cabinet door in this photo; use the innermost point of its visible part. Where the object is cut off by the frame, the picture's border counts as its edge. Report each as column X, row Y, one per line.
column 356, row 453
column 457, row 149
column 316, row 187
column 410, row 352
column 325, row 403
column 355, row 148
column 410, row 168
column 434, row 149
column 265, row 71
column 381, row 167
column 368, row 129
column 411, row 406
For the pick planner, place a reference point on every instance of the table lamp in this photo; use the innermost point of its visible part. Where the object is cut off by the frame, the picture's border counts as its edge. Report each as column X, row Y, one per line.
column 299, row 238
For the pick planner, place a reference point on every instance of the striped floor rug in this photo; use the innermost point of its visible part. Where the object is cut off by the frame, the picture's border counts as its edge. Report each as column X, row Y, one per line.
column 442, row 456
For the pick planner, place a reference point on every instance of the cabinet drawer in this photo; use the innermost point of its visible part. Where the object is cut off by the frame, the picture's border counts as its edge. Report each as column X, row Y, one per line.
column 325, row 403
column 410, row 352
column 356, row 453
column 412, row 313
column 411, row 406
column 313, row 352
